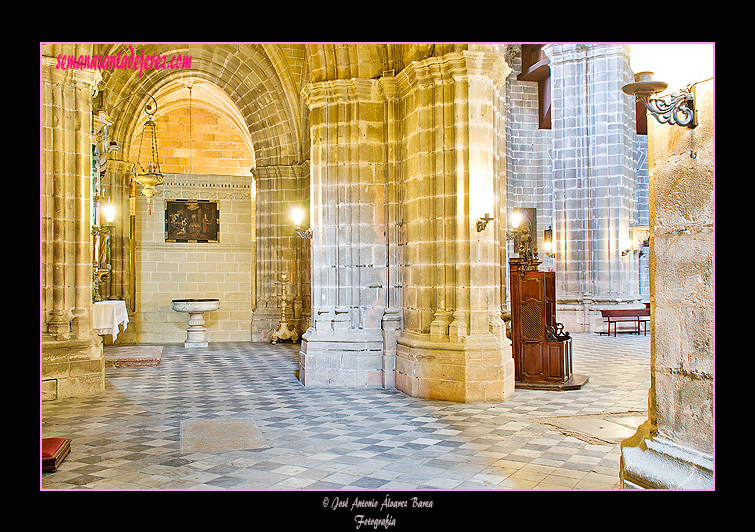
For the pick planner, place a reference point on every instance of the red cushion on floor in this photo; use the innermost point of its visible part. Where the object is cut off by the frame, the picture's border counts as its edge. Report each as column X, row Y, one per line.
column 51, row 445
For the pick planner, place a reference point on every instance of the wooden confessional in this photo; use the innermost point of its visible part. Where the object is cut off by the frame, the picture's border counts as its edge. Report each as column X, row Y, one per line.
column 541, row 349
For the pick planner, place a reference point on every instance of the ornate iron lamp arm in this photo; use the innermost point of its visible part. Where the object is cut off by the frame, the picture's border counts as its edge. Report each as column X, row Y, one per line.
column 679, row 109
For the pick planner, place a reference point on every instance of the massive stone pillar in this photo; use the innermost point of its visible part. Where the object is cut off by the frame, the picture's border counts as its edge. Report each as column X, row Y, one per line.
column 279, row 189
column 674, row 448
column 72, row 362
column 453, row 345
column 594, row 182
column 116, row 185
column 352, row 216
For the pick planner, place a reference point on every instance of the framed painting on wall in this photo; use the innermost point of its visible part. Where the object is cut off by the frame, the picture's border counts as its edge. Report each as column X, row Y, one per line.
column 192, row 221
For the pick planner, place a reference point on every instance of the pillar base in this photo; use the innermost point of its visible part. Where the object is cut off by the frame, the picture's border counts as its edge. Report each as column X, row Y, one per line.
column 349, row 357
column 264, row 322
column 72, row 368
column 652, row 462
column 196, row 334
column 478, row 369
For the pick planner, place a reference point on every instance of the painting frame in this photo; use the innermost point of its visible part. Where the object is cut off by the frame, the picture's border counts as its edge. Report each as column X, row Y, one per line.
column 192, row 220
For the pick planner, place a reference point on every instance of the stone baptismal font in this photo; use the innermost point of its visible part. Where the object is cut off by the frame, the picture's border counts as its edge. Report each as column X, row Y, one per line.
column 196, row 334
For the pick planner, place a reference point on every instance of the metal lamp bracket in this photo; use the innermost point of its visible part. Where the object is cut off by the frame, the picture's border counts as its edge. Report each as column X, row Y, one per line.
column 676, row 109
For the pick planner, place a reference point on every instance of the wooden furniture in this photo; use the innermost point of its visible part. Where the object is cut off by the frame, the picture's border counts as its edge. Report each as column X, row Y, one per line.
column 54, row 450
column 640, row 316
column 542, row 351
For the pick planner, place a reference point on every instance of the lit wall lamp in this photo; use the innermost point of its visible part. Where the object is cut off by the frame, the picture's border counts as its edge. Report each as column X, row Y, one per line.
column 101, row 249
column 679, row 109
column 482, row 223
column 548, row 241
column 109, row 212
column 298, row 215
column 640, row 236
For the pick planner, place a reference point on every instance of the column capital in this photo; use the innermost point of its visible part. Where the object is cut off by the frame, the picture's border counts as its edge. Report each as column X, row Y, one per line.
column 342, row 91
column 84, row 79
column 281, row 170
column 454, row 67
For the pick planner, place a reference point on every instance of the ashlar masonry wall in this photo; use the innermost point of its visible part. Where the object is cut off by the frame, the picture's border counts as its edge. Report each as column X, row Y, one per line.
column 674, row 448
column 181, row 270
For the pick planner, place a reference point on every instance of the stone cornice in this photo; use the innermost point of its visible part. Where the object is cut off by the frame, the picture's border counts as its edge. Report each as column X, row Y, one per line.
column 281, row 170
column 453, row 67
column 342, row 91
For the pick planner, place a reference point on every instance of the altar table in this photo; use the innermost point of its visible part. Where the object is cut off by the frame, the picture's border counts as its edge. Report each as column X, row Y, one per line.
column 108, row 315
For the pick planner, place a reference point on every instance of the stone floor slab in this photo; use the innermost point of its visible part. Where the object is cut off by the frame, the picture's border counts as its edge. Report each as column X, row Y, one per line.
column 190, row 422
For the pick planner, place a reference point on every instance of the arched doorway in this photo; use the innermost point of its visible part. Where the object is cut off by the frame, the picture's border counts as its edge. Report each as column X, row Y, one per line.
column 228, row 127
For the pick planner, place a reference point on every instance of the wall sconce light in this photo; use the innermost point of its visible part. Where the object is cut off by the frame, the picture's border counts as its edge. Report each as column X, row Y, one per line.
column 679, row 103
column 298, row 215
column 639, row 238
column 548, row 241
column 101, row 248
column 109, row 212
column 482, row 223
column 516, row 219
column 625, row 244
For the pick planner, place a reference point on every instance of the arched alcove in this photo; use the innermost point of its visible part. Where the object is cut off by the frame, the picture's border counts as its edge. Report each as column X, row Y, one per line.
column 243, row 111
column 199, row 131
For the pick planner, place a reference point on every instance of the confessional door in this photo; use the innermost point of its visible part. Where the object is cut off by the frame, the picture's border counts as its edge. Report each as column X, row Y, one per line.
column 528, row 326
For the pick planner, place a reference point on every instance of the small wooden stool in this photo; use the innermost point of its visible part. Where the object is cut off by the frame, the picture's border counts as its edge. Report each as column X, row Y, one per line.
column 54, row 450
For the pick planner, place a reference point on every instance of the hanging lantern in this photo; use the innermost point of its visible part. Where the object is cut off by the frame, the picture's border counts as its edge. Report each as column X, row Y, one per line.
column 151, row 177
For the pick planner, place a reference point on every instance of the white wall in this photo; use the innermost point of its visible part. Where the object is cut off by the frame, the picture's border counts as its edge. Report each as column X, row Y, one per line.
column 178, row 270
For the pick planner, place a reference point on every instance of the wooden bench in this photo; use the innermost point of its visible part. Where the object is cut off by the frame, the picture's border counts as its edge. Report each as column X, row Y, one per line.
column 638, row 315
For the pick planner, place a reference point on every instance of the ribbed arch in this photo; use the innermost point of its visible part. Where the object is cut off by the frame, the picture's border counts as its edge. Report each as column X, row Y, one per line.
column 267, row 101
column 204, row 95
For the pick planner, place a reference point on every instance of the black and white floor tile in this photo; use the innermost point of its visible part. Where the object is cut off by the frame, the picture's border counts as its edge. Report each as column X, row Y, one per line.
column 129, row 437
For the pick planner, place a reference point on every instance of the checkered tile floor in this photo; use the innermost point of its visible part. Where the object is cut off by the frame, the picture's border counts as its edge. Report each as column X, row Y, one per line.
column 129, row 437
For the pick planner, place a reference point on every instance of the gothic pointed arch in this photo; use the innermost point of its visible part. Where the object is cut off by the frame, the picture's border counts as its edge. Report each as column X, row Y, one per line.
column 255, row 77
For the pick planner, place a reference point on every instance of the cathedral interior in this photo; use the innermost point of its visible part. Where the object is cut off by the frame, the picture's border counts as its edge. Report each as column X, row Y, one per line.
column 430, row 231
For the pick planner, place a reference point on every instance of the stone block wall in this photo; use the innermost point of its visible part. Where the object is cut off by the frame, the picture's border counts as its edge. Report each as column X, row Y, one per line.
column 584, row 176
column 594, row 182
column 182, row 270
column 71, row 364
column 674, row 448
column 529, row 178
column 352, row 191
column 643, row 206
column 204, row 134
column 682, row 213
column 453, row 345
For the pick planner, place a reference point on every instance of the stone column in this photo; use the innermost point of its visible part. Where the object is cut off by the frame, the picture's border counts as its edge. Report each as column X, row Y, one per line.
column 280, row 188
column 674, row 448
column 72, row 363
column 352, row 203
column 117, row 185
column 453, row 345
column 594, row 182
